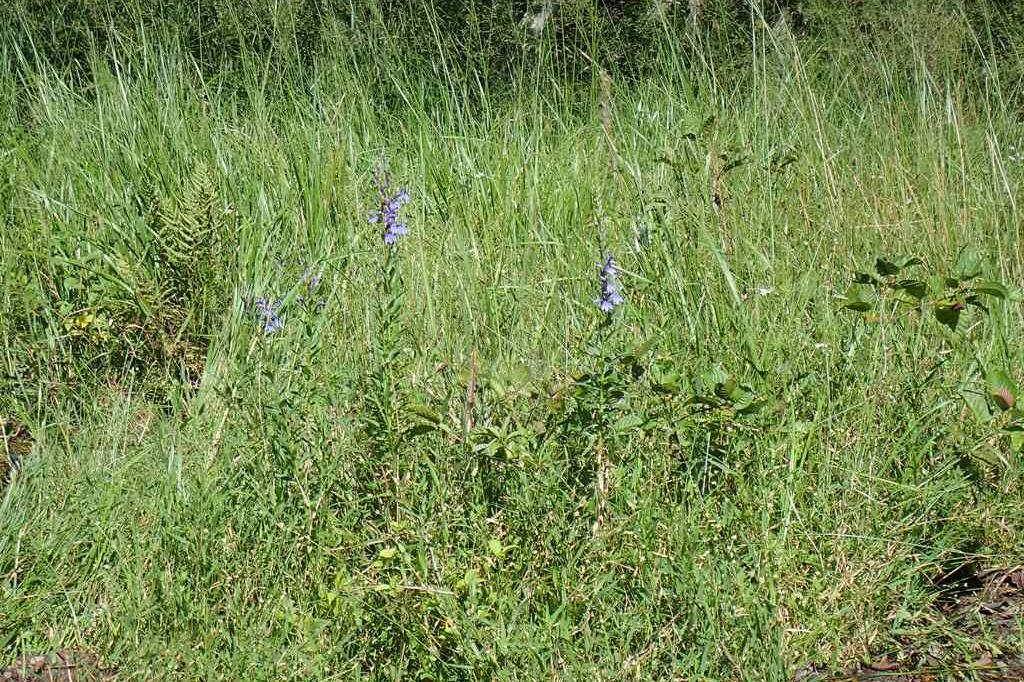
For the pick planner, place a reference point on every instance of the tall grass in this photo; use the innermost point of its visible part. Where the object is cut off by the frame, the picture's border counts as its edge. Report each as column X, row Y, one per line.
column 778, row 479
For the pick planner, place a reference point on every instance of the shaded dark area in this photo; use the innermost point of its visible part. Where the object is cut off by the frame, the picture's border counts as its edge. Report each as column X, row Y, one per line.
column 15, row 444
column 983, row 608
column 491, row 39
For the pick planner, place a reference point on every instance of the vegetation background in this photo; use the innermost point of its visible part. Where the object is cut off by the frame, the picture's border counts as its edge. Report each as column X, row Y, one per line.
column 242, row 437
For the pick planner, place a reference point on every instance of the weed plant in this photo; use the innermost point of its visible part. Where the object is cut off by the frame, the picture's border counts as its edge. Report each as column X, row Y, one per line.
column 268, row 438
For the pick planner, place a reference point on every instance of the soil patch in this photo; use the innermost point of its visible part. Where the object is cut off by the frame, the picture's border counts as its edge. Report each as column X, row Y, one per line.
column 15, row 443
column 63, row 666
column 986, row 608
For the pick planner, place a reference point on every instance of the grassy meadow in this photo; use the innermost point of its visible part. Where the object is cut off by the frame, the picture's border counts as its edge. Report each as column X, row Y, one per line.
column 244, row 438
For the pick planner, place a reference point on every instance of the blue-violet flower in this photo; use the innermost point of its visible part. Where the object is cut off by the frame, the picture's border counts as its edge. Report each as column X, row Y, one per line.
column 387, row 214
column 611, row 292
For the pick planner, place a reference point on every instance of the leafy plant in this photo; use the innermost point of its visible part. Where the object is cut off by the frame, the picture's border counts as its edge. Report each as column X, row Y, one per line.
column 389, row 415
column 947, row 297
column 994, row 400
column 709, row 413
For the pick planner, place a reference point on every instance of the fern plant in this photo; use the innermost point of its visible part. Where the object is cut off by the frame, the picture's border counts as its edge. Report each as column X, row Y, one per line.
column 187, row 231
column 183, row 292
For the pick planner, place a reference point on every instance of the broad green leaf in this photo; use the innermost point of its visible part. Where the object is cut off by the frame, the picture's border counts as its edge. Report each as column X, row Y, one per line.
column 978, row 405
column 712, row 377
column 947, row 311
column 421, row 429
column 1017, row 442
column 627, row 423
column 975, row 301
column 425, row 411
column 665, row 379
column 725, row 389
column 640, row 350
column 860, row 299
column 968, row 264
column 914, row 287
column 1002, row 388
column 668, row 387
column 885, row 267
column 752, row 407
column 991, row 288
column 740, row 394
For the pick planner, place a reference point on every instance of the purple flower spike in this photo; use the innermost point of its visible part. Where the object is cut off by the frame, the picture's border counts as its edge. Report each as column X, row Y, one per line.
column 268, row 315
column 387, row 214
column 611, row 294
